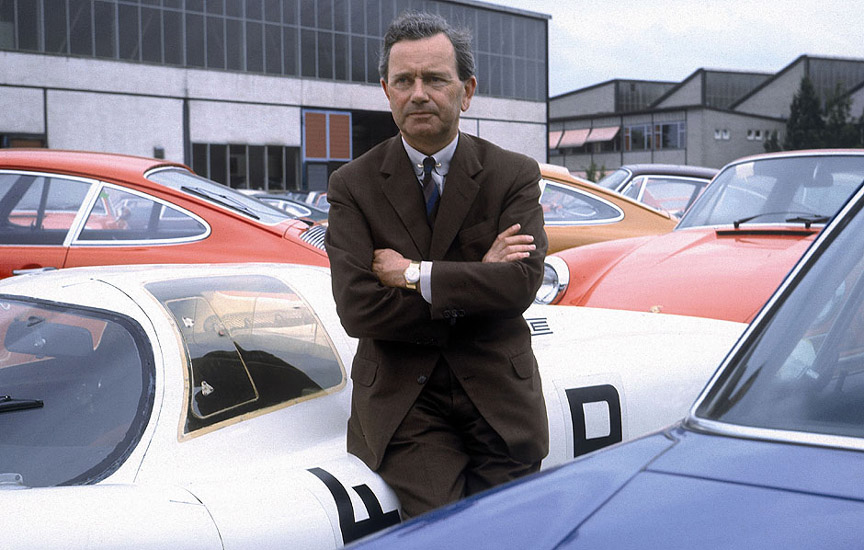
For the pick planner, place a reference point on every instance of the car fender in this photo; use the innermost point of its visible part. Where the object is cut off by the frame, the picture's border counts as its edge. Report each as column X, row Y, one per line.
column 588, row 264
column 322, row 506
column 105, row 517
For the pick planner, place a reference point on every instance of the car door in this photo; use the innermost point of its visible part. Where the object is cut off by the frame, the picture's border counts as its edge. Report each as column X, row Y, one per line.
column 37, row 212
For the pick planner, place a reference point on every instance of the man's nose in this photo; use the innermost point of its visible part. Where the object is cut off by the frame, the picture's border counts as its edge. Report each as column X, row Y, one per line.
column 418, row 91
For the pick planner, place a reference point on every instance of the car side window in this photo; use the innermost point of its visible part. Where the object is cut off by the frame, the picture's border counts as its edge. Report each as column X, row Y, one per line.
column 119, row 215
column 37, row 209
column 252, row 344
column 565, row 205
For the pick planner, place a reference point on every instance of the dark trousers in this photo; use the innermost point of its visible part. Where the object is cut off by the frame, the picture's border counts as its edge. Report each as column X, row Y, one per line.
column 444, row 450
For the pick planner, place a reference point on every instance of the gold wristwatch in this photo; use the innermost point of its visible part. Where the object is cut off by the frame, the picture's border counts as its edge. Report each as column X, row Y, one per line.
column 412, row 275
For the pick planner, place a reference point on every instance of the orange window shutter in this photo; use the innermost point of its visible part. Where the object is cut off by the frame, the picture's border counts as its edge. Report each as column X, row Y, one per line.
column 315, row 135
column 340, row 136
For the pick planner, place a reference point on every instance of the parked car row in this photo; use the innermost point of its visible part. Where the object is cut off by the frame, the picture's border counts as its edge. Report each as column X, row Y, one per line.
column 727, row 254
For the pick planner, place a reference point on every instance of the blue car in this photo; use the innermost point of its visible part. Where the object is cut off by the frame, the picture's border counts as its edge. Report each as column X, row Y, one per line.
column 771, row 455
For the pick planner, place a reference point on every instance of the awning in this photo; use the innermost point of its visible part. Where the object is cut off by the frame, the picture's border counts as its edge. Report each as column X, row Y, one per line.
column 574, row 138
column 603, row 134
column 554, row 138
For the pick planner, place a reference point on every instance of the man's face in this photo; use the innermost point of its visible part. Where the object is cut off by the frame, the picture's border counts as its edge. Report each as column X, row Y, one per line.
column 425, row 93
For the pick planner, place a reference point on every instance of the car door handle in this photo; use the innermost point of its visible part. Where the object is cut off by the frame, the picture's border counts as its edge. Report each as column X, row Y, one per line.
column 32, row 270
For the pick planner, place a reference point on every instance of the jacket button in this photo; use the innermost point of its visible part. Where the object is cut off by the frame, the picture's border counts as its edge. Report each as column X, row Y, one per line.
column 421, row 379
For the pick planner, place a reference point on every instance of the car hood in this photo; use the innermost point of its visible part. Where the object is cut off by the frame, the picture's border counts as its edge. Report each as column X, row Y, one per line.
column 721, row 492
column 707, row 272
column 677, row 489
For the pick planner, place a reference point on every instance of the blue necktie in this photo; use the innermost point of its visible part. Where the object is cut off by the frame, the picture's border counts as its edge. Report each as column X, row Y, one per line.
column 430, row 190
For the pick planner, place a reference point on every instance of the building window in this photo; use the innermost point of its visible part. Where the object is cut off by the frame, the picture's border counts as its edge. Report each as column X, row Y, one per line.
column 22, row 140
column 262, row 167
column 327, row 39
column 670, row 135
column 637, row 137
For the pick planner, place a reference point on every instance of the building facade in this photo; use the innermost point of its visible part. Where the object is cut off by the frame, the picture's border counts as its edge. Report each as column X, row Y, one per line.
column 269, row 94
column 708, row 119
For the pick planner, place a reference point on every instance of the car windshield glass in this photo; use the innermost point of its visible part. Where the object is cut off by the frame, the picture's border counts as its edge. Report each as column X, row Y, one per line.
column 777, row 190
column 252, row 344
column 615, row 179
column 805, row 371
column 76, row 390
column 213, row 192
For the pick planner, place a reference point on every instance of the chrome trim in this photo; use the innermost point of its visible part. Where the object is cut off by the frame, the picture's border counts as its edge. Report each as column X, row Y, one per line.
column 143, row 242
column 753, row 331
column 608, row 203
column 85, row 206
column 315, row 236
column 769, row 434
column 562, row 272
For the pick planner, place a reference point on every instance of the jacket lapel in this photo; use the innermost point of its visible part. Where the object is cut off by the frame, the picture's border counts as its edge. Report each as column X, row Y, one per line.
column 460, row 190
column 399, row 184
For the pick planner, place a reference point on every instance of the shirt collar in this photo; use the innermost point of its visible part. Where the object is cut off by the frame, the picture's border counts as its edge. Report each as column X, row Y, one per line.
column 442, row 157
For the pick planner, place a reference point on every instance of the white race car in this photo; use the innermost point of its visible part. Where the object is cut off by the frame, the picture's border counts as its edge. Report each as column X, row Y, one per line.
column 205, row 406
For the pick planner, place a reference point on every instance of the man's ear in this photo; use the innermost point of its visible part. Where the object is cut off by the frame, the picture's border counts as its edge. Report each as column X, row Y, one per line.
column 386, row 91
column 470, row 86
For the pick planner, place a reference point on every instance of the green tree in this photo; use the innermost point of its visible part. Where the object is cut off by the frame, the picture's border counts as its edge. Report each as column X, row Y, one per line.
column 805, row 127
column 840, row 128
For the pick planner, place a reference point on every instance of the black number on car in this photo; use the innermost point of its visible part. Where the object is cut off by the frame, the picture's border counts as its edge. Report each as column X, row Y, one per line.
column 351, row 528
column 578, row 398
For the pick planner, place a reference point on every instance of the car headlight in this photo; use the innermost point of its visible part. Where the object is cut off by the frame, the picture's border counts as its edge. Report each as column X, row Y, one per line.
column 556, row 277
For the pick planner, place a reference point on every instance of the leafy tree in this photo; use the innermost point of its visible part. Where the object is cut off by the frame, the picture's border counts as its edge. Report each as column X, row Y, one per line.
column 805, row 127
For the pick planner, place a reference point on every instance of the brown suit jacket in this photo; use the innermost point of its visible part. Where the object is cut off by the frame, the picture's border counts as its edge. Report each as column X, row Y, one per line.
column 475, row 321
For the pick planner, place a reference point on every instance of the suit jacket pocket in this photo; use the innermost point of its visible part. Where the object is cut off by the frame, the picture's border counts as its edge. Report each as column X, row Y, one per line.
column 363, row 371
column 523, row 364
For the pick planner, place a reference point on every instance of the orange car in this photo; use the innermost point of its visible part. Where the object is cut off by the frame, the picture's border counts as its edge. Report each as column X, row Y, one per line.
column 66, row 209
column 578, row 212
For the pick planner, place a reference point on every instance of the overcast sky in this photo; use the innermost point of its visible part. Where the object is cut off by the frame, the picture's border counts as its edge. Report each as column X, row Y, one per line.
column 591, row 41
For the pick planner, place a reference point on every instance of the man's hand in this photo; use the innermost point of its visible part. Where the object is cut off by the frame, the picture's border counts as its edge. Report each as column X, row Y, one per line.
column 509, row 247
column 390, row 266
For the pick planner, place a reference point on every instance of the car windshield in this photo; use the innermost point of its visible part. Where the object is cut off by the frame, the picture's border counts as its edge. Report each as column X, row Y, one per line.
column 791, row 189
column 805, row 369
column 615, row 179
column 224, row 196
column 76, row 390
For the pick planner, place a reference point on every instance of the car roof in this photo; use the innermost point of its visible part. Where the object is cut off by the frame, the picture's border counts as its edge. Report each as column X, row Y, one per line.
column 84, row 163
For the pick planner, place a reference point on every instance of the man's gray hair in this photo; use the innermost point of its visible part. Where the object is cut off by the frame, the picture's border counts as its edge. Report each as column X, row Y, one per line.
column 418, row 25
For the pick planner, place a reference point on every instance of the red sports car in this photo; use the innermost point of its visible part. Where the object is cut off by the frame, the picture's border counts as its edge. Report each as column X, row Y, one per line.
column 66, row 209
column 728, row 253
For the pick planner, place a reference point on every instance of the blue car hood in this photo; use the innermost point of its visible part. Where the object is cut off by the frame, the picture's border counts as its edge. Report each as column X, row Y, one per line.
column 671, row 490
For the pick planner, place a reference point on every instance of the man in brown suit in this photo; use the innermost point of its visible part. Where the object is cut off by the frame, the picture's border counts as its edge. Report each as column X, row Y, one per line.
column 447, row 399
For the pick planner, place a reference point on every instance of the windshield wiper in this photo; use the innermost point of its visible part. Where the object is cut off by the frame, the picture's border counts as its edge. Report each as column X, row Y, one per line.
column 7, row 404
column 806, row 217
column 224, row 200
column 809, row 219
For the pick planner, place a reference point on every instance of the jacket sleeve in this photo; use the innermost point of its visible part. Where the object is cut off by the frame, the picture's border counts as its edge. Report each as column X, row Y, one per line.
column 366, row 308
column 505, row 289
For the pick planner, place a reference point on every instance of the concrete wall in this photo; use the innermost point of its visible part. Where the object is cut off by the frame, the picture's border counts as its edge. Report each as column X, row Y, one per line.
column 599, row 99
column 774, row 99
column 107, row 105
column 690, row 93
column 22, row 110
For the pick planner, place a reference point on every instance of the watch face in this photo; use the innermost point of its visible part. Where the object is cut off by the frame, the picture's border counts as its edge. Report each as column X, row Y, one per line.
column 412, row 274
